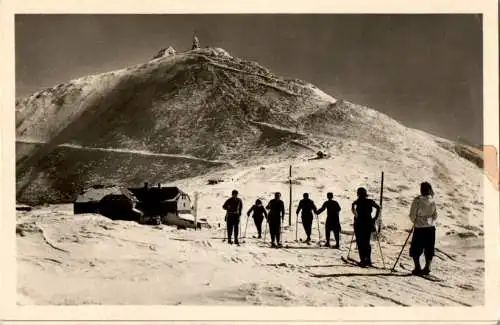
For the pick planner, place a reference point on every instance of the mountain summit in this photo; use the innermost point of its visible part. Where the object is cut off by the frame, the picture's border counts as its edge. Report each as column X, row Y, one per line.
column 201, row 102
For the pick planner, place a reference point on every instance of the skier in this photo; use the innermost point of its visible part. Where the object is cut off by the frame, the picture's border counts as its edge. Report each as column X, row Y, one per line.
column 276, row 215
column 307, row 206
column 233, row 207
column 364, row 224
column 423, row 214
column 332, row 220
column 259, row 212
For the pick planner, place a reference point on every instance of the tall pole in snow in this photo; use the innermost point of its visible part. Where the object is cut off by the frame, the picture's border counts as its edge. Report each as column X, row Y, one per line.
column 196, row 211
column 379, row 221
column 290, row 203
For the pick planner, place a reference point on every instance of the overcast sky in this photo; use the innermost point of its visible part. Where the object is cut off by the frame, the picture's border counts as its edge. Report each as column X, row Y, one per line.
column 423, row 70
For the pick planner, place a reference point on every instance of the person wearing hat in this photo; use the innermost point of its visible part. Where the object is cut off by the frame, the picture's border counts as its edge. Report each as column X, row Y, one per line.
column 233, row 207
column 364, row 224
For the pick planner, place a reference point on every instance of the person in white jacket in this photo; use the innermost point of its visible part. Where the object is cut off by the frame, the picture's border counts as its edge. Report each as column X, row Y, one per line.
column 423, row 214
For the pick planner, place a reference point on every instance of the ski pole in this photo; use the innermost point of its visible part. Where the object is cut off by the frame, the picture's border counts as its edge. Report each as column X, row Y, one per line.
column 352, row 238
column 349, row 251
column 225, row 233
column 406, row 241
column 319, row 231
column 350, row 245
column 265, row 231
column 236, row 239
column 296, row 227
column 380, row 248
column 281, row 232
column 246, row 224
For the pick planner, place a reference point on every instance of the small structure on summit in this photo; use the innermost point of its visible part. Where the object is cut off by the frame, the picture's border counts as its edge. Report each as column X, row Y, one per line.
column 196, row 42
column 164, row 52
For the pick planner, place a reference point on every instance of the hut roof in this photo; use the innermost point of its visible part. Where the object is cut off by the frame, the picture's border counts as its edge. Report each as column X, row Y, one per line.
column 96, row 194
column 157, row 194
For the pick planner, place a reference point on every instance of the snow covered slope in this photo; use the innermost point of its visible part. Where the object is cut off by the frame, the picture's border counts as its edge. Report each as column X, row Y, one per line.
column 100, row 261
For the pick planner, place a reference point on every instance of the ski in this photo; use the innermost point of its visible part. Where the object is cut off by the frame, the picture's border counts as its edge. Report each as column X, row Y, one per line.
column 303, row 241
column 356, row 263
column 429, row 277
column 349, row 261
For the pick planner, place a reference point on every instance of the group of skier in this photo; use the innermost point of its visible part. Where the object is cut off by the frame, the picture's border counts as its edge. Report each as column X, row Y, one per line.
column 423, row 215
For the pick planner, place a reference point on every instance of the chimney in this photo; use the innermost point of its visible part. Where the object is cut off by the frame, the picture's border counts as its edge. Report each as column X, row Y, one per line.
column 146, row 185
column 159, row 185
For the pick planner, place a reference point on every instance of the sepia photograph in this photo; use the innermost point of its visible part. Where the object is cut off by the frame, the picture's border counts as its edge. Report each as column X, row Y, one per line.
column 251, row 159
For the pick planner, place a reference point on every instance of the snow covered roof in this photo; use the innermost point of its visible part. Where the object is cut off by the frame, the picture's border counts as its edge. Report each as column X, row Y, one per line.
column 96, row 194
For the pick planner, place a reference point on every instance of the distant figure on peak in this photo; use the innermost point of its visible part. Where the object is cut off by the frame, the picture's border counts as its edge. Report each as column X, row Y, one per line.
column 196, row 42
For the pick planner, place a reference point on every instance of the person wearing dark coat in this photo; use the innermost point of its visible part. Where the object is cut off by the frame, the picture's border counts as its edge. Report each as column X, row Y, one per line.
column 364, row 224
column 276, row 215
column 332, row 223
column 306, row 205
column 259, row 213
column 233, row 207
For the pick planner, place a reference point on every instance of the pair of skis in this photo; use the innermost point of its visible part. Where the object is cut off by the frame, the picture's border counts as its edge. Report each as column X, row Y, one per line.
column 429, row 277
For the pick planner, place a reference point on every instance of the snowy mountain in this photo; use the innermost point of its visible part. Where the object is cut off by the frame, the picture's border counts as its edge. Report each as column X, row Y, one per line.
column 184, row 118
column 202, row 103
